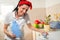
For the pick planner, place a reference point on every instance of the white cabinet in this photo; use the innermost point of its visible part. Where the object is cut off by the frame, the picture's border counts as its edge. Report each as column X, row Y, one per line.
column 53, row 35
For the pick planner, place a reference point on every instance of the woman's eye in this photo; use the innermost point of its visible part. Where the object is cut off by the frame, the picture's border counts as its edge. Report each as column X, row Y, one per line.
column 26, row 9
column 23, row 8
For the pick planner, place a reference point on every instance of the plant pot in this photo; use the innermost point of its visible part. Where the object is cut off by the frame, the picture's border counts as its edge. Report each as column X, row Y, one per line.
column 47, row 28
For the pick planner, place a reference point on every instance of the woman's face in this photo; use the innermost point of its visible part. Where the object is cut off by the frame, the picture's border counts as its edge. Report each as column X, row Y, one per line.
column 22, row 9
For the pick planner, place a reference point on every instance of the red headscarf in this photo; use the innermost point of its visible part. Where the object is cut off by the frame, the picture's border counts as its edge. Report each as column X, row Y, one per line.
column 21, row 2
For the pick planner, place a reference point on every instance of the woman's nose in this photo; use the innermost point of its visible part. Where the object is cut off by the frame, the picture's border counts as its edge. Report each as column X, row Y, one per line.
column 24, row 11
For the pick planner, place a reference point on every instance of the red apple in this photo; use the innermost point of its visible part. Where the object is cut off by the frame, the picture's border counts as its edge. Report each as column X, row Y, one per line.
column 42, row 22
column 37, row 21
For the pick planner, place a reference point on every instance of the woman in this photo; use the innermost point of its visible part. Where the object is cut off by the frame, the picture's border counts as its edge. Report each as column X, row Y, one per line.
column 20, row 16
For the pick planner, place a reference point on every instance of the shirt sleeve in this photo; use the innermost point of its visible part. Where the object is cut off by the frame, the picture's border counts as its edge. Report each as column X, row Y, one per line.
column 7, row 19
column 27, row 19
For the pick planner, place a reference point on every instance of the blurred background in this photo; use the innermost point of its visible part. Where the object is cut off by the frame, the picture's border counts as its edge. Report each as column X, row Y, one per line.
column 41, row 8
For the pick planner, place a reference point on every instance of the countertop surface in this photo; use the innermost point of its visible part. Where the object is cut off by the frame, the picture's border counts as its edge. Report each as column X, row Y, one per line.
column 53, row 35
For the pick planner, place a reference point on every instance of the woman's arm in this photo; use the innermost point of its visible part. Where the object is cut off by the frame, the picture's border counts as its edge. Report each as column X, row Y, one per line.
column 8, row 33
column 35, row 29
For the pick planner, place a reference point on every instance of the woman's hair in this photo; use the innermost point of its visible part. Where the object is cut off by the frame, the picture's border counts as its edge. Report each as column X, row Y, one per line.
column 16, row 9
column 21, row 2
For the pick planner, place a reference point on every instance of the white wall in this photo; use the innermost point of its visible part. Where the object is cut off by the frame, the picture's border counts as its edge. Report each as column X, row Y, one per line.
column 50, row 3
column 38, row 3
column 10, row 2
column 35, row 3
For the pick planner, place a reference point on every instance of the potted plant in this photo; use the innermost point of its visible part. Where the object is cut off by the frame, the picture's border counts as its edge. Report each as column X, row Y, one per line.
column 46, row 25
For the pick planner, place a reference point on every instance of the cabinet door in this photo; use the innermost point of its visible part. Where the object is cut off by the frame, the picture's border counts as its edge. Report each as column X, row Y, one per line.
column 36, row 36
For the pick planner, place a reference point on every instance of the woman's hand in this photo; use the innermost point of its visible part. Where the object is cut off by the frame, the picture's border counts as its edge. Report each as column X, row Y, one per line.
column 12, row 36
column 42, row 32
column 9, row 34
